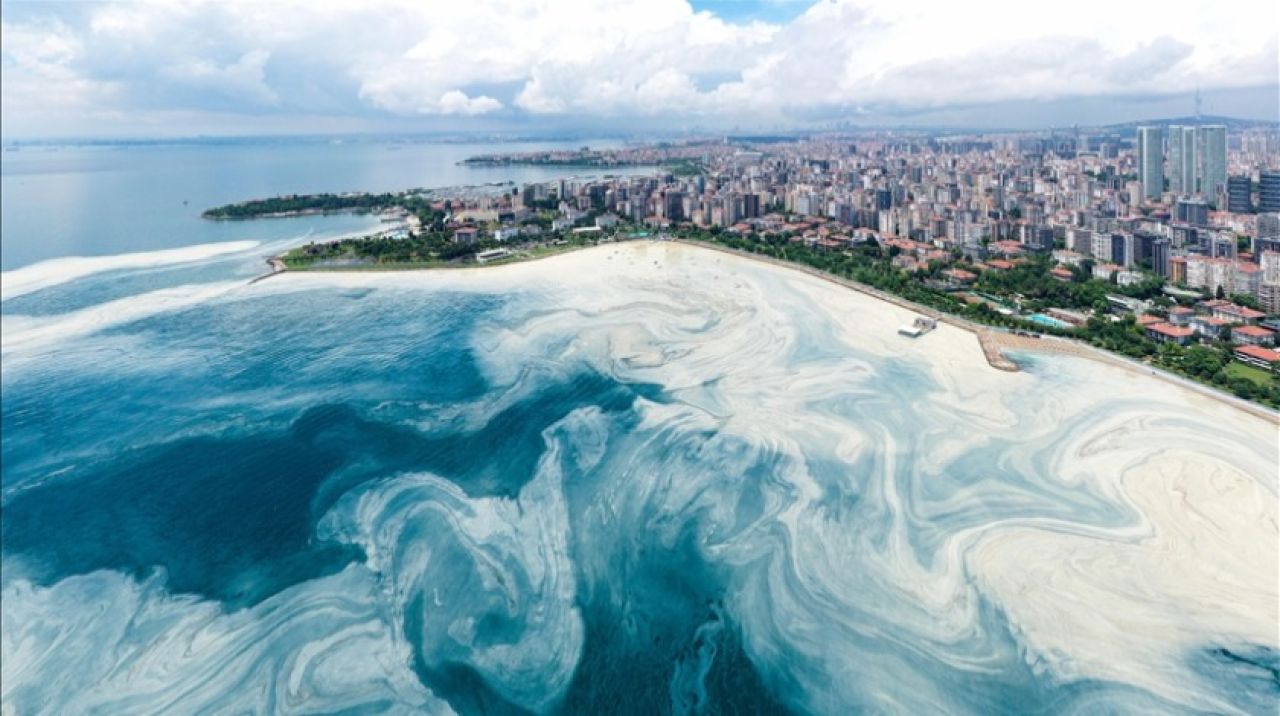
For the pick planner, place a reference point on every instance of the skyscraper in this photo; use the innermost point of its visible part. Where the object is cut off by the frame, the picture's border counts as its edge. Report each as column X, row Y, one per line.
column 1239, row 200
column 1150, row 162
column 1213, row 161
column 1182, row 160
column 1269, row 191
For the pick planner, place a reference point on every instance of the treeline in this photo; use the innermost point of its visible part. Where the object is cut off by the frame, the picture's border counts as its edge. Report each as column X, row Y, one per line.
column 582, row 160
column 304, row 203
column 1040, row 290
column 424, row 248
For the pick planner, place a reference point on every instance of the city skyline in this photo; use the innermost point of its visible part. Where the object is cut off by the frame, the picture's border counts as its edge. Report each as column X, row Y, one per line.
column 147, row 69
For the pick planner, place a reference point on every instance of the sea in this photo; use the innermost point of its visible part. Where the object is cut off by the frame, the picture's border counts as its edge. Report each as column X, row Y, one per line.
column 108, row 199
column 640, row 480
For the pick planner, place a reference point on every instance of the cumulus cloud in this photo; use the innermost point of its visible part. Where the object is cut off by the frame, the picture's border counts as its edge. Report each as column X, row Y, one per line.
column 614, row 58
column 243, row 79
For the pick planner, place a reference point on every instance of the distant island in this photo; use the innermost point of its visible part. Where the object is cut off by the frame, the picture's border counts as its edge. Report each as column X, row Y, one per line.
column 682, row 158
column 300, row 205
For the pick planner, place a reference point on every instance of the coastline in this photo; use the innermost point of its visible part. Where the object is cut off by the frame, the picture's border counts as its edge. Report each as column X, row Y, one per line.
column 288, row 214
column 992, row 343
column 995, row 342
column 278, row 264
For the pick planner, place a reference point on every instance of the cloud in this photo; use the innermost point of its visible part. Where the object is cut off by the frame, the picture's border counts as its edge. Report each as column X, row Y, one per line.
column 243, row 79
column 456, row 102
column 533, row 59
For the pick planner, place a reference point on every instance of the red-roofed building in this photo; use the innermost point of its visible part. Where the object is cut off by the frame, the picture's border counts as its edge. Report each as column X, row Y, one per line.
column 1258, row 356
column 1181, row 315
column 1210, row 326
column 1169, row 333
column 1253, row 336
column 960, row 275
column 1008, row 248
column 1234, row 313
column 1061, row 274
column 1000, row 264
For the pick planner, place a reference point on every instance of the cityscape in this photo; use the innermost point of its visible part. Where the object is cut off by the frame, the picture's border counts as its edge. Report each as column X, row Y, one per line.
column 640, row 357
column 1183, row 221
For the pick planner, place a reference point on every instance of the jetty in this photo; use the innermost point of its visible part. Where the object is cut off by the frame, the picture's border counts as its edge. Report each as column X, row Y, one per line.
column 277, row 267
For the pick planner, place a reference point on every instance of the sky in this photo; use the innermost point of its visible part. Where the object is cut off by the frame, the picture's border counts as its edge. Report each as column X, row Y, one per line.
column 191, row 67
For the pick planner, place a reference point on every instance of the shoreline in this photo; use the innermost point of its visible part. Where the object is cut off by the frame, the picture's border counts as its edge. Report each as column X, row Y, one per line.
column 279, row 266
column 992, row 342
column 294, row 214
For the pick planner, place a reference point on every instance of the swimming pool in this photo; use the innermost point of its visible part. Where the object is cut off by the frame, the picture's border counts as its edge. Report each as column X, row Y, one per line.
column 1047, row 321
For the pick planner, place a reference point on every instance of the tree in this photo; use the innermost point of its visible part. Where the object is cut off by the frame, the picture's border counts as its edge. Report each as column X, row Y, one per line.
column 1202, row 361
column 1246, row 300
column 1220, row 293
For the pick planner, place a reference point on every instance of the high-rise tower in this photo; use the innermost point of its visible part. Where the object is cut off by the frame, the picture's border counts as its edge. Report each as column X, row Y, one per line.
column 1182, row 160
column 1213, row 161
column 1150, row 162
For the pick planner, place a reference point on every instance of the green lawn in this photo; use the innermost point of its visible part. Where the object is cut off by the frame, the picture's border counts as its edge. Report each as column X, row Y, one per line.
column 1236, row 369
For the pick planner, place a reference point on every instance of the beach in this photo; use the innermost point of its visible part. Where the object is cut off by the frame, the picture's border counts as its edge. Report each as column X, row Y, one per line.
column 1185, row 562
column 637, row 453
column 996, row 344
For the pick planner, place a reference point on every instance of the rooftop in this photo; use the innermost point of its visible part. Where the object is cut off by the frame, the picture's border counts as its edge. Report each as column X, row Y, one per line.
column 1168, row 329
column 1255, row 331
column 1265, row 354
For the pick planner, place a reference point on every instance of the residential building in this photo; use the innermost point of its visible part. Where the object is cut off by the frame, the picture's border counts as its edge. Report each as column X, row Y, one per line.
column 1161, row 257
column 1150, row 162
column 1182, row 160
column 1169, row 333
column 1253, row 336
column 1269, row 190
column 1192, row 211
column 1258, row 356
column 1239, row 194
column 1213, row 161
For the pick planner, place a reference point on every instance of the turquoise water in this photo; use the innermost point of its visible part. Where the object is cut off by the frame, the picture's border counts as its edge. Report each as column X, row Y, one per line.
column 1047, row 320
column 672, row 488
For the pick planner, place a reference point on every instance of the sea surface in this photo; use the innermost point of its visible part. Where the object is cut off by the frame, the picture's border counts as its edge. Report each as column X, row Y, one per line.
column 87, row 200
column 637, row 479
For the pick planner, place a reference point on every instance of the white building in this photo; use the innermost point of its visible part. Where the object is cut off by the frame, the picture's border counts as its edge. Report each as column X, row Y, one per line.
column 1128, row 278
column 1211, row 273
